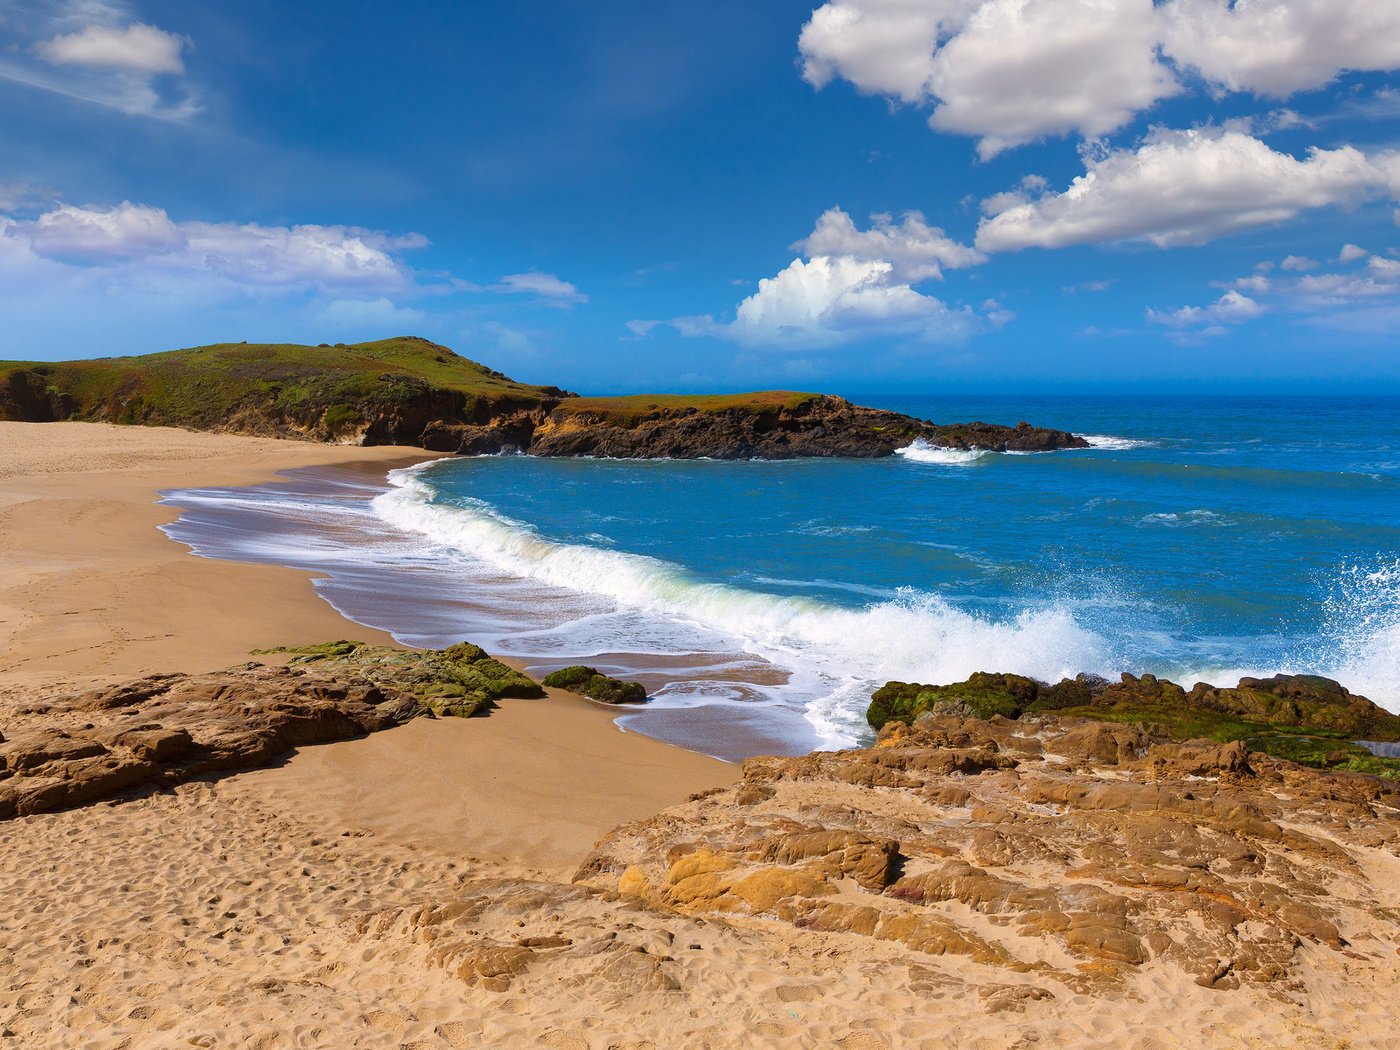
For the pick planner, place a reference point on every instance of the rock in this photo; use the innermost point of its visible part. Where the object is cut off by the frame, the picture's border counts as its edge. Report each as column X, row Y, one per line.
column 165, row 729
column 1075, row 850
column 587, row 681
column 1262, row 715
column 761, row 426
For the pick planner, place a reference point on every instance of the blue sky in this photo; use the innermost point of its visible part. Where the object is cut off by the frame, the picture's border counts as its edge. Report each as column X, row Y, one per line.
column 862, row 195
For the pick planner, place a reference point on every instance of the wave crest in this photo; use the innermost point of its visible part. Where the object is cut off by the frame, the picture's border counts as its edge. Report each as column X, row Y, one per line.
column 920, row 451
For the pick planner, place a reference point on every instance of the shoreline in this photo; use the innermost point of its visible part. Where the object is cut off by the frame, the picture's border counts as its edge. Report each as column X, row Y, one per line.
column 318, row 520
column 94, row 593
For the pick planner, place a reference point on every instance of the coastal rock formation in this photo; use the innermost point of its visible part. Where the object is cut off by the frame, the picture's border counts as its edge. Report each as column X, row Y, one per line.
column 410, row 391
column 169, row 728
column 586, row 681
column 1306, row 718
column 769, row 425
column 1058, row 856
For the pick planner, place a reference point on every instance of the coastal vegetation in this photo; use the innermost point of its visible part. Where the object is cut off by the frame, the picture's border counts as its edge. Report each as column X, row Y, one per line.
column 1306, row 719
column 411, row 391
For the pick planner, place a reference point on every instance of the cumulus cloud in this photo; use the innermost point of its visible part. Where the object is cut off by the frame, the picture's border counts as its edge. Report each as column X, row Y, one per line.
column 1351, row 252
column 1187, row 187
column 1278, row 47
column 99, row 52
column 914, row 250
column 1012, row 71
column 854, row 283
column 1231, row 308
column 1299, row 263
column 136, row 48
column 1023, row 69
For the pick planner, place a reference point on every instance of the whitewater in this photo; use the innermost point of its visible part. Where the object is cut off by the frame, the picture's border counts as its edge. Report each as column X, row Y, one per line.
column 1190, row 541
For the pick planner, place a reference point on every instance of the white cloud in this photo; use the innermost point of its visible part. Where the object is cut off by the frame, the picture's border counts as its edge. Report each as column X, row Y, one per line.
column 1023, row 69
column 1350, row 253
column 1298, row 263
column 826, row 301
column 99, row 52
column 139, row 243
column 544, row 285
column 914, row 250
column 95, row 235
column 853, row 284
column 1187, row 187
column 883, row 47
column 1278, row 47
column 136, row 48
column 1012, row 71
column 1231, row 308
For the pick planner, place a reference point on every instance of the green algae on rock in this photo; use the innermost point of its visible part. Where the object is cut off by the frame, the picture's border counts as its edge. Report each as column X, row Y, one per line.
column 459, row 681
column 587, row 681
column 1306, row 719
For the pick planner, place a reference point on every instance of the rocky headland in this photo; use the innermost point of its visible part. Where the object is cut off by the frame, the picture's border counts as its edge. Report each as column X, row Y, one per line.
column 410, row 391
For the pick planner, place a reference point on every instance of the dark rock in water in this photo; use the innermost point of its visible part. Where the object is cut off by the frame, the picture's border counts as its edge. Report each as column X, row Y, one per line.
column 587, row 681
column 166, row 729
column 1307, row 719
column 763, row 426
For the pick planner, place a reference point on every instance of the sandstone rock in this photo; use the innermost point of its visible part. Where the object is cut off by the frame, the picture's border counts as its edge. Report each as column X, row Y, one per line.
column 165, row 729
column 1074, row 850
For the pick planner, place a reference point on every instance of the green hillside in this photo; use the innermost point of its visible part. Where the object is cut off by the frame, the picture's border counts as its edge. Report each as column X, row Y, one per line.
column 313, row 391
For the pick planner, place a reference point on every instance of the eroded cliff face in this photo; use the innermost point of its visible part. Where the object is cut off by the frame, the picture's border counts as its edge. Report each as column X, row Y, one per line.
column 820, row 426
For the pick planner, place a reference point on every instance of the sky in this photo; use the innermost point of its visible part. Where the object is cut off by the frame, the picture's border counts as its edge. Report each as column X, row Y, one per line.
column 878, row 196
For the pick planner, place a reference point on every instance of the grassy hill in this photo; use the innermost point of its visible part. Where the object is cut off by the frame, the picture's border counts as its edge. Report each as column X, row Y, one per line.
column 382, row 389
column 410, row 391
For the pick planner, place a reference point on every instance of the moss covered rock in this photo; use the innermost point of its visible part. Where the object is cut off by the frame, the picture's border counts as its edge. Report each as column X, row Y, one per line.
column 1304, row 718
column 459, row 681
column 587, row 681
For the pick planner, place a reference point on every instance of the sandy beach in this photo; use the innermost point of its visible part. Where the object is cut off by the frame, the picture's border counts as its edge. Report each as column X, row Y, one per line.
column 378, row 892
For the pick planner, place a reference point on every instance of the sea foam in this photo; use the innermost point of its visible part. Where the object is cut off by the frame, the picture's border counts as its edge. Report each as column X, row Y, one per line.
column 841, row 652
column 920, row 451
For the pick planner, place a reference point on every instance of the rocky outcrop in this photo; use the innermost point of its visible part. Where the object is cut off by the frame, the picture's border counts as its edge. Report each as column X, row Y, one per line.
column 410, row 391
column 743, row 427
column 586, row 681
column 1061, row 853
column 166, row 729
column 1305, row 718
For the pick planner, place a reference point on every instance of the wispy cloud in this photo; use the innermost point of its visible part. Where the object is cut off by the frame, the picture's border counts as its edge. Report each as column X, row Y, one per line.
column 99, row 52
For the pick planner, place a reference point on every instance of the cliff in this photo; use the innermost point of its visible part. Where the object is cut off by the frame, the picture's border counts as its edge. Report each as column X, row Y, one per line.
column 413, row 392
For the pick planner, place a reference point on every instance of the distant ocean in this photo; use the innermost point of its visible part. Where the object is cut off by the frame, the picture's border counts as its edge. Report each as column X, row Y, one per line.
column 1202, row 538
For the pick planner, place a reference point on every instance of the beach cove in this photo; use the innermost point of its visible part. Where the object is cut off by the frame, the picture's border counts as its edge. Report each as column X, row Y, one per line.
column 299, row 905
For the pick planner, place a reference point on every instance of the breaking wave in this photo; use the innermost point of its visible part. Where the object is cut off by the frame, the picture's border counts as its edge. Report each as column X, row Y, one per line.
column 922, row 452
column 915, row 636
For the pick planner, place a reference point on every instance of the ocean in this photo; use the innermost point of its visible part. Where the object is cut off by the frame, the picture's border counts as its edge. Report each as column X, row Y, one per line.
column 1201, row 538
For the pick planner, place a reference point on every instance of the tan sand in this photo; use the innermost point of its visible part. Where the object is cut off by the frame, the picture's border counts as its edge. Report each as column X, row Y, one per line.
column 376, row 893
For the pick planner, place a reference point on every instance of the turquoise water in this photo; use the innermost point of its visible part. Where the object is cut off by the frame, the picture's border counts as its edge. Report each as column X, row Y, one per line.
column 1203, row 538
